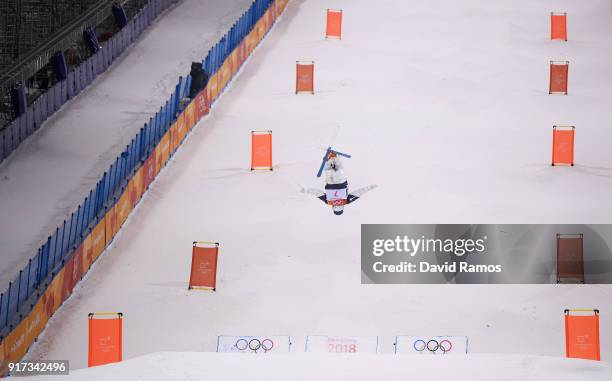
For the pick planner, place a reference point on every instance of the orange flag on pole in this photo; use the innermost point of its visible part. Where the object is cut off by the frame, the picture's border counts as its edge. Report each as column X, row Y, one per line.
column 558, row 26
column 582, row 334
column 304, row 76
column 558, row 77
column 563, row 145
column 204, row 257
column 334, row 23
column 105, row 338
column 261, row 150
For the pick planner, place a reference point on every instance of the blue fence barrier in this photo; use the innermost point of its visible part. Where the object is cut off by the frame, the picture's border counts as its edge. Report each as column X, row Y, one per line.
column 22, row 293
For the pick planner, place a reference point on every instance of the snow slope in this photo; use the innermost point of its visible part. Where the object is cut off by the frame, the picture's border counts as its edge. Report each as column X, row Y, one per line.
column 298, row 367
column 53, row 170
column 444, row 105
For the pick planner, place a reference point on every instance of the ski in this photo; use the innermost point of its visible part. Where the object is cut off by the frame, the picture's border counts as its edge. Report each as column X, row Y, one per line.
column 312, row 191
column 361, row 191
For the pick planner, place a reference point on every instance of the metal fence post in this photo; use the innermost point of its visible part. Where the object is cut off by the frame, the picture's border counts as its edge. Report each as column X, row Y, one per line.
column 19, row 291
column 8, row 303
column 29, row 271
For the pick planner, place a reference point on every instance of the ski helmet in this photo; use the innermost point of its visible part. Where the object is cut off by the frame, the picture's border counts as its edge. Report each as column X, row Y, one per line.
column 338, row 209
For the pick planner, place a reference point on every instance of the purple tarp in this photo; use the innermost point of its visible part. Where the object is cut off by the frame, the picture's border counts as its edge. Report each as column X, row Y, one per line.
column 37, row 115
column 107, row 61
column 51, row 101
column 88, row 71
column 113, row 42
column 58, row 96
column 147, row 15
column 70, row 81
column 23, row 127
column 15, row 133
column 64, row 92
column 30, row 126
column 2, row 144
column 44, row 111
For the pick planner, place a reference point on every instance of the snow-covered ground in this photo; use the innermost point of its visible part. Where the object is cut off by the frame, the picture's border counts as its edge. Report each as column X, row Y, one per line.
column 444, row 104
column 53, row 170
column 306, row 367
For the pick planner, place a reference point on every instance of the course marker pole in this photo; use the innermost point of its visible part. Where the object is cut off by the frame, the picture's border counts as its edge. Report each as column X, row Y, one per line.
column 582, row 334
column 334, row 24
column 304, row 77
column 261, row 150
column 204, row 257
column 563, row 145
column 558, row 77
column 105, row 338
column 558, row 26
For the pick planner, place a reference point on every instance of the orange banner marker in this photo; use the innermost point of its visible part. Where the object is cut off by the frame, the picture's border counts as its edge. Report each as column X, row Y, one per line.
column 105, row 345
column 570, row 259
column 582, row 335
column 334, row 23
column 558, row 77
column 261, row 150
column 558, row 26
column 563, row 145
column 304, row 76
column 204, row 266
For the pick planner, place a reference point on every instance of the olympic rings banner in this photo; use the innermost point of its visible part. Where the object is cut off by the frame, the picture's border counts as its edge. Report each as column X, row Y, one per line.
column 485, row 254
column 338, row 344
column 254, row 344
column 436, row 345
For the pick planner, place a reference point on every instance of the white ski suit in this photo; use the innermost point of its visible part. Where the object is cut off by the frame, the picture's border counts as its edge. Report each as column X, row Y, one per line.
column 336, row 185
column 334, row 171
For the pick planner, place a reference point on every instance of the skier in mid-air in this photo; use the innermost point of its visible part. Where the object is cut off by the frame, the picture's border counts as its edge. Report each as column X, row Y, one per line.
column 336, row 186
